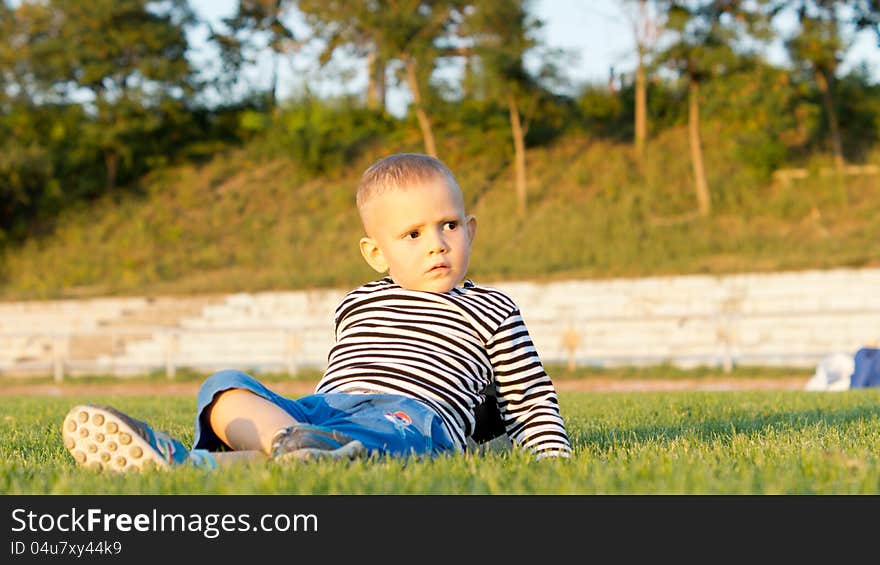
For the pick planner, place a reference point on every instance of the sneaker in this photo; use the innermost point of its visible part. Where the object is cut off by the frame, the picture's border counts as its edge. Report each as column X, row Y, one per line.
column 100, row 437
column 305, row 442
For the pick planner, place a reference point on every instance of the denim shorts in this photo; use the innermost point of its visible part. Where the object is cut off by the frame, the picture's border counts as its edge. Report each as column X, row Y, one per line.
column 387, row 424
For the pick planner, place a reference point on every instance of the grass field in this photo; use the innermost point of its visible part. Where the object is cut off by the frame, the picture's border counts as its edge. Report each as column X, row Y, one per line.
column 731, row 442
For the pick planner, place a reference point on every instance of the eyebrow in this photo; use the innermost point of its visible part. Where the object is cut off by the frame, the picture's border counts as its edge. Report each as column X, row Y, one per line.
column 411, row 229
column 417, row 227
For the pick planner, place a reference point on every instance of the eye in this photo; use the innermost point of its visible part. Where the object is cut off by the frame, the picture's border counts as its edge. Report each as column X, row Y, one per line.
column 412, row 235
column 451, row 225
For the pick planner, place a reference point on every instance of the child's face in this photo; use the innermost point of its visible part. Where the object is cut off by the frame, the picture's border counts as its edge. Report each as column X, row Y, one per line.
column 420, row 235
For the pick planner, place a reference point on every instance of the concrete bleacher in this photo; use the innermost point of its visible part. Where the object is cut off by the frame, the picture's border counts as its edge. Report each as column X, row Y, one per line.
column 791, row 318
column 30, row 331
column 257, row 331
column 35, row 334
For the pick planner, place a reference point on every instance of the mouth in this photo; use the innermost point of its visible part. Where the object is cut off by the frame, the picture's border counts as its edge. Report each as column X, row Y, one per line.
column 439, row 269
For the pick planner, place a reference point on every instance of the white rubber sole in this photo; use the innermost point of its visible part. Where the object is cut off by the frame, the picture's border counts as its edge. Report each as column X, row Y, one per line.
column 351, row 450
column 99, row 439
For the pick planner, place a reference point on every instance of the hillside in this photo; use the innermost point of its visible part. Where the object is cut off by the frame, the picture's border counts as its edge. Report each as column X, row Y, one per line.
column 241, row 223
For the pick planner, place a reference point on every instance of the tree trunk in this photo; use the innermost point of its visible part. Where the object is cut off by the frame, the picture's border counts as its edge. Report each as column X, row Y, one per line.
column 273, row 9
column 421, row 115
column 111, row 164
column 828, row 102
column 644, row 32
column 272, row 97
column 641, row 121
column 375, row 82
column 519, row 147
column 703, row 202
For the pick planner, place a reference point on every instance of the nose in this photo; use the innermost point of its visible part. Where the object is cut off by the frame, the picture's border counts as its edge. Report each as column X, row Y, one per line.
column 437, row 244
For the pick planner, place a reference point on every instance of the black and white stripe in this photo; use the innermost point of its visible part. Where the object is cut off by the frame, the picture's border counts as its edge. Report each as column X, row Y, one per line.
column 446, row 350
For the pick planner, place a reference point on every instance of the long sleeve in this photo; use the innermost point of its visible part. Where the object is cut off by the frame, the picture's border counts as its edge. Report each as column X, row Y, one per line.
column 526, row 396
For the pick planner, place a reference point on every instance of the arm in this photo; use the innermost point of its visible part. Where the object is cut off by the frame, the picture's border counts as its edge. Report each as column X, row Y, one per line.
column 527, row 398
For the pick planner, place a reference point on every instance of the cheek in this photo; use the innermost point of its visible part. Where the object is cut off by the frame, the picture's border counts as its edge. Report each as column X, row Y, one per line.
column 402, row 255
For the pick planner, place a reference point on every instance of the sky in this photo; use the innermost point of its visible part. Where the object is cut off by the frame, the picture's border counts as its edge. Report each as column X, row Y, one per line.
column 597, row 33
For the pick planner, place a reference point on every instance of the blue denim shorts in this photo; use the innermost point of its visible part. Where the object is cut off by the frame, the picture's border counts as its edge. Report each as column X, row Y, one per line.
column 387, row 424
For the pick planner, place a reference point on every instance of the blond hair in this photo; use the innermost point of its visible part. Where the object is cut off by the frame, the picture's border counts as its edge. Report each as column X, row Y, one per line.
column 399, row 171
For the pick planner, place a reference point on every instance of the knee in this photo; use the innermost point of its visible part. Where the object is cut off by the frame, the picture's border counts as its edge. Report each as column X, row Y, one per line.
column 225, row 380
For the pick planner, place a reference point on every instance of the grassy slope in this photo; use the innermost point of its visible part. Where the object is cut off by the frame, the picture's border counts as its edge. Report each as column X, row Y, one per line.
column 240, row 224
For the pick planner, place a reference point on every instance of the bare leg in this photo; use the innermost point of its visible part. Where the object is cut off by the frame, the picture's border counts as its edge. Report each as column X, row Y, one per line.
column 247, row 422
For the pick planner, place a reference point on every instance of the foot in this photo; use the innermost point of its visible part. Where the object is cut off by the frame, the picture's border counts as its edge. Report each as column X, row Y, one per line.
column 305, row 442
column 100, row 437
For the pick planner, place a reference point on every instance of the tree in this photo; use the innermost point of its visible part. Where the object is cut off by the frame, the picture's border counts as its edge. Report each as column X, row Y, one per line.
column 819, row 46
column 502, row 32
column 706, row 35
column 867, row 16
column 35, row 123
column 408, row 32
column 646, row 27
column 255, row 22
column 357, row 26
column 129, row 57
column 28, row 71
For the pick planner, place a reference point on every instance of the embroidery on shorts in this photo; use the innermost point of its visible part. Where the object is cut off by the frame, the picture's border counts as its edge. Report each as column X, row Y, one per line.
column 399, row 418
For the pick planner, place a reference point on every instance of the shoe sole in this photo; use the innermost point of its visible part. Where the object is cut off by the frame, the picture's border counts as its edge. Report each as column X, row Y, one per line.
column 100, row 439
column 351, row 450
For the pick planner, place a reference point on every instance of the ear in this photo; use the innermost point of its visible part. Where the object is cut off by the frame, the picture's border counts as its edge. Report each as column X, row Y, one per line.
column 471, row 223
column 373, row 255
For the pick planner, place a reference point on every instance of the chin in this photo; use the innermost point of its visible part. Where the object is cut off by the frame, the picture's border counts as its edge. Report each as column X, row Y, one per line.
column 437, row 286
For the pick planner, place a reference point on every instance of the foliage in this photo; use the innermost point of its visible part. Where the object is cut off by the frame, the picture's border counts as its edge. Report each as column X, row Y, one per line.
column 113, row 178
column 406, row 38
column 319, row 136
column 95, row 97
column 766, row 117
column 603, row 113
column 256, row 25
column 859, row 107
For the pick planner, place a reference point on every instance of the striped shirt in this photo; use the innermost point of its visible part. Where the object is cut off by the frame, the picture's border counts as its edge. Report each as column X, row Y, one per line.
column 446, row 350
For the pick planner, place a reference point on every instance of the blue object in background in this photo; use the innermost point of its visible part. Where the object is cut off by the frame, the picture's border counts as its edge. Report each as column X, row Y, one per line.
column 867, row 368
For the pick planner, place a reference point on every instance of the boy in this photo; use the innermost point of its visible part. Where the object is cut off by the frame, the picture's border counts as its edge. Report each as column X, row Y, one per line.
column 416, row 354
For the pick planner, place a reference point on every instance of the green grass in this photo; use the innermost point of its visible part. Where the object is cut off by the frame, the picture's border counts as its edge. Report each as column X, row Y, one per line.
column 557, row 371
column 665, row 371
column 158, row 377
column 781, row 442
